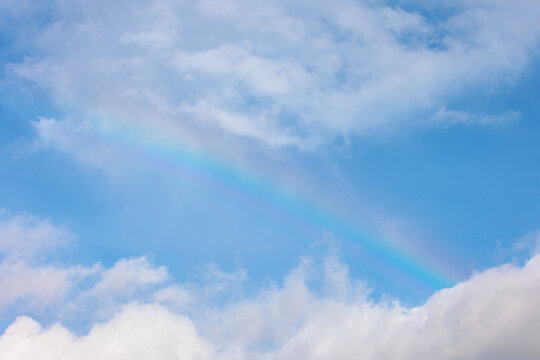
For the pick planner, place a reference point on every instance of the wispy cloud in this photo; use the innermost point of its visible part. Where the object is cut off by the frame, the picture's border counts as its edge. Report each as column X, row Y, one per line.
column 449, row 117
column 280, row 73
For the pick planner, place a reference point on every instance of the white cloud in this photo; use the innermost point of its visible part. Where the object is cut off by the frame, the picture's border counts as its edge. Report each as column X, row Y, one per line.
column 494, row 315
column 260, row 75
column 138, row 332
column 88, row 143
column 256, row 127
column 282, row 73
column 30, row 280
column 448, row 117
column 128, row 274
column 81, row 140
column 24, row 241
column 135, row 312
column 491, row 316
column 24, row 236
column 40, row 284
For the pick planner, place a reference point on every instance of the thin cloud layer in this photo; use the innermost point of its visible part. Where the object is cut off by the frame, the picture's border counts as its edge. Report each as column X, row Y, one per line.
column 283, row 74
column 493, row 315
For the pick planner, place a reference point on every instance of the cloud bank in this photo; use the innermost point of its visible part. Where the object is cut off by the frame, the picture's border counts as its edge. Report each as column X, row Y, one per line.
column 136, row 311
column 280, row 73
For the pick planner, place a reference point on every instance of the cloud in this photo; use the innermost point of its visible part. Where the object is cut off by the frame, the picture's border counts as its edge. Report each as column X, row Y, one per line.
column 138, row 332
column 449, row 117
column 42, row 284
column 261, row 75
column 476, row 319
column 24, row 236
column 129, row 274
column 24, row 242
column 494, row 315
column 134, row 310
column 33, row 280
column 80, row 140
column 283, row 74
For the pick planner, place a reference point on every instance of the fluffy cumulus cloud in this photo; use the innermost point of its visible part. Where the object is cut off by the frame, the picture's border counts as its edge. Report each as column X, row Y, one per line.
column 139, row 332
column 493, row 315
column 279, row 72
column 31, row 278
column 23, row 239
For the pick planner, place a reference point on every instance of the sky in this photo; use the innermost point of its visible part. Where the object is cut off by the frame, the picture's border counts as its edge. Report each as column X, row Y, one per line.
column 202, row 179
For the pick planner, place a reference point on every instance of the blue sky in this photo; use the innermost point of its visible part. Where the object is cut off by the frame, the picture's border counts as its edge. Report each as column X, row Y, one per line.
column 200, row 161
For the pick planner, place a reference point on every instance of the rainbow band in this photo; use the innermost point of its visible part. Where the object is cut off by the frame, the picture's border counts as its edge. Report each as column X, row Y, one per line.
column 210, row 171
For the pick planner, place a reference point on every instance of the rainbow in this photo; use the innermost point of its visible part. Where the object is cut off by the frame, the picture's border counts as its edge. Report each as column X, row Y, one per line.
column 381, row 254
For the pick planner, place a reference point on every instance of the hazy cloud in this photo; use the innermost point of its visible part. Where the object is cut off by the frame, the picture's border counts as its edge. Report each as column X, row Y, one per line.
column 284, row 74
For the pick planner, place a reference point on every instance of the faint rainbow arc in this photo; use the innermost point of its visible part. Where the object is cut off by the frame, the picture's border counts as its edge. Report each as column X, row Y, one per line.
column 210, row 169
